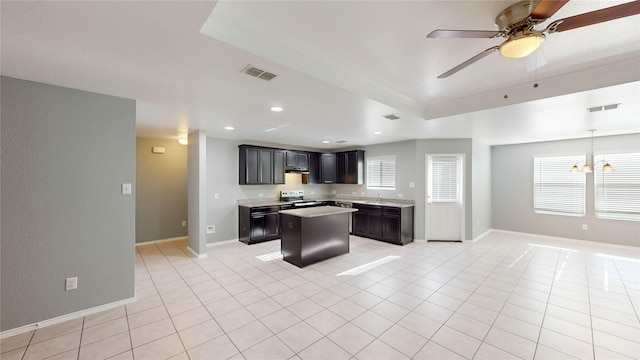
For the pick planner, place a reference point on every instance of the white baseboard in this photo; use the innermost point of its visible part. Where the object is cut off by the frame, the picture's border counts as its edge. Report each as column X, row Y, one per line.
column 479, row 237
column 195, row 253
column 222, row 242
column 161, row 240
column 67, row 317
column 570, row 240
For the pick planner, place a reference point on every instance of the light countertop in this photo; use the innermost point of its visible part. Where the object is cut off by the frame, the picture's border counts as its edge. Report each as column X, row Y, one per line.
column 317, row 211
column 274, row 202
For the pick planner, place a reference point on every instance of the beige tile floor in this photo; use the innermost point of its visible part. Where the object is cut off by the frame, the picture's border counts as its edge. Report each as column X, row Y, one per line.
column 507, row 296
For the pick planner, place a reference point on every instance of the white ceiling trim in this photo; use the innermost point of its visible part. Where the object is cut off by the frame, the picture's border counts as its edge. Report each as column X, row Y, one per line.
column 610, row 74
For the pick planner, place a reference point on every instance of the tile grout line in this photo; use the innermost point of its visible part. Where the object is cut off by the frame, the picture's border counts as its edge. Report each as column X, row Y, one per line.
column 546, row 306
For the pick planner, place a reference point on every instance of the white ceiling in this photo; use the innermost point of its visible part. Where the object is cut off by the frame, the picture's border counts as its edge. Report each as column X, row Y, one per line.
column 341, row 65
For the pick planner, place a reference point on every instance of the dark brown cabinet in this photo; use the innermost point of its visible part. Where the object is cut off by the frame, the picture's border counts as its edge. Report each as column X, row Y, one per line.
column 297, row 160
column 313, row 177
column 279, row 158
column 328, row 168
column 262, row 165
column 350, row 167
column 367, row 221
column 258, row 165
column 258, row 224
column 387, row 223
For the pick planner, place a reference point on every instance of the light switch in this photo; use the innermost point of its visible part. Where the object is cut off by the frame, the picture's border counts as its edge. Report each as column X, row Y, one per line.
column 126, row 189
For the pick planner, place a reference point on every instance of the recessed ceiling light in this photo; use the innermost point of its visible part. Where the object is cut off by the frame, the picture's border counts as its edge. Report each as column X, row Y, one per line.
column 325, row 141
column 276, row 108
column 229, row 128
column 377, row 132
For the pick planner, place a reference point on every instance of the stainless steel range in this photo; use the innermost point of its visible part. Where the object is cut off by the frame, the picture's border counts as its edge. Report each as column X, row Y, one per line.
column 296, row 198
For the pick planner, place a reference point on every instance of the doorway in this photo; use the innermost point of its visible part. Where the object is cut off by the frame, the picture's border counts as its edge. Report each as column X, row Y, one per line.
column 444, row 210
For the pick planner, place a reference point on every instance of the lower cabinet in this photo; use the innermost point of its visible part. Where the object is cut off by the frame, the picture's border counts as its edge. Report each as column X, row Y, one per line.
column 367, row 221
column 386, row 223
column 258, row 224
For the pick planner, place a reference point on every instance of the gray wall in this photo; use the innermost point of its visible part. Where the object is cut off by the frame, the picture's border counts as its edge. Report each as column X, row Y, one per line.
column 512, row 192
column 65, row 154
column 481, row 188
column 405, row 153
column 222, row 179
column 196, row 193
column 161, row 184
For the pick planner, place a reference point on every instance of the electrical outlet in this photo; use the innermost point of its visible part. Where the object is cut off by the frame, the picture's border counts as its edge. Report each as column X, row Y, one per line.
column 71, row 283
column 216, row 196
column 412, row 185
column 126, row 189
column 211, row 229
column 184, row 223
column 585, row 227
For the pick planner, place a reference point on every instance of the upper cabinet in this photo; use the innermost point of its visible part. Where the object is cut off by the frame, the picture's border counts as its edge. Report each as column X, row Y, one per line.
column 328, row 168
column 258, row 166
column 350, row 167
column 313, row 177
column 279, row 160
column 262, row 165
column 297, row 161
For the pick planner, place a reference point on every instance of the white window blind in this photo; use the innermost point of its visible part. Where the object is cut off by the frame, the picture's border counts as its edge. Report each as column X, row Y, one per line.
column 381, row 172
column 618, row 192
column 557, row 190
column 444, row 187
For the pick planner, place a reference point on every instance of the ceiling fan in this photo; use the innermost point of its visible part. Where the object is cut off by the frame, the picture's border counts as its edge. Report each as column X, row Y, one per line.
column 517, row 24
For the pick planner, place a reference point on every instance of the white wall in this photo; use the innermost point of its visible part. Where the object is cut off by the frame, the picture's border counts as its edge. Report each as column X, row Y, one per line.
column 512, row 192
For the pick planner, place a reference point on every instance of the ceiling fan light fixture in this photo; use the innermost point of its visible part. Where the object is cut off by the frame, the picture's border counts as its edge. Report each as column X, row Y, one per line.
column 521, row 45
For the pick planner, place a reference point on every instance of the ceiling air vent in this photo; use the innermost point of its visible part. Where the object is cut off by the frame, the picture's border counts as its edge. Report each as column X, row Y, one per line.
column 391, row 117
column 603, row 107
column 259, row 73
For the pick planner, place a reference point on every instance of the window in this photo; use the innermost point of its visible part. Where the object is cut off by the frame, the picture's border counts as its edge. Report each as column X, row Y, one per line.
column 557, row 190
column 381, row 172
column 618, row 192
column 443, row 176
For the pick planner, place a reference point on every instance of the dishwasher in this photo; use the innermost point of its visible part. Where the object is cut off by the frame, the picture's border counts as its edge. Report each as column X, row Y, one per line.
column 347, row 205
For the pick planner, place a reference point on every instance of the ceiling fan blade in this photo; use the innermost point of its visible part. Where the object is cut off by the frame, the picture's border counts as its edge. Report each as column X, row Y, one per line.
column 464, row 34
column 595, row 17
column 469, row 62
column 546, row 8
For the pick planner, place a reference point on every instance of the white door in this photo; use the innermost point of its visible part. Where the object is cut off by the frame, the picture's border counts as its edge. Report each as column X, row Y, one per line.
column 445, row 202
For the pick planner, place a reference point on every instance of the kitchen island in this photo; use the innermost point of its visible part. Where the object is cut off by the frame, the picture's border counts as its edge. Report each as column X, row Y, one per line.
column 314, row 234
